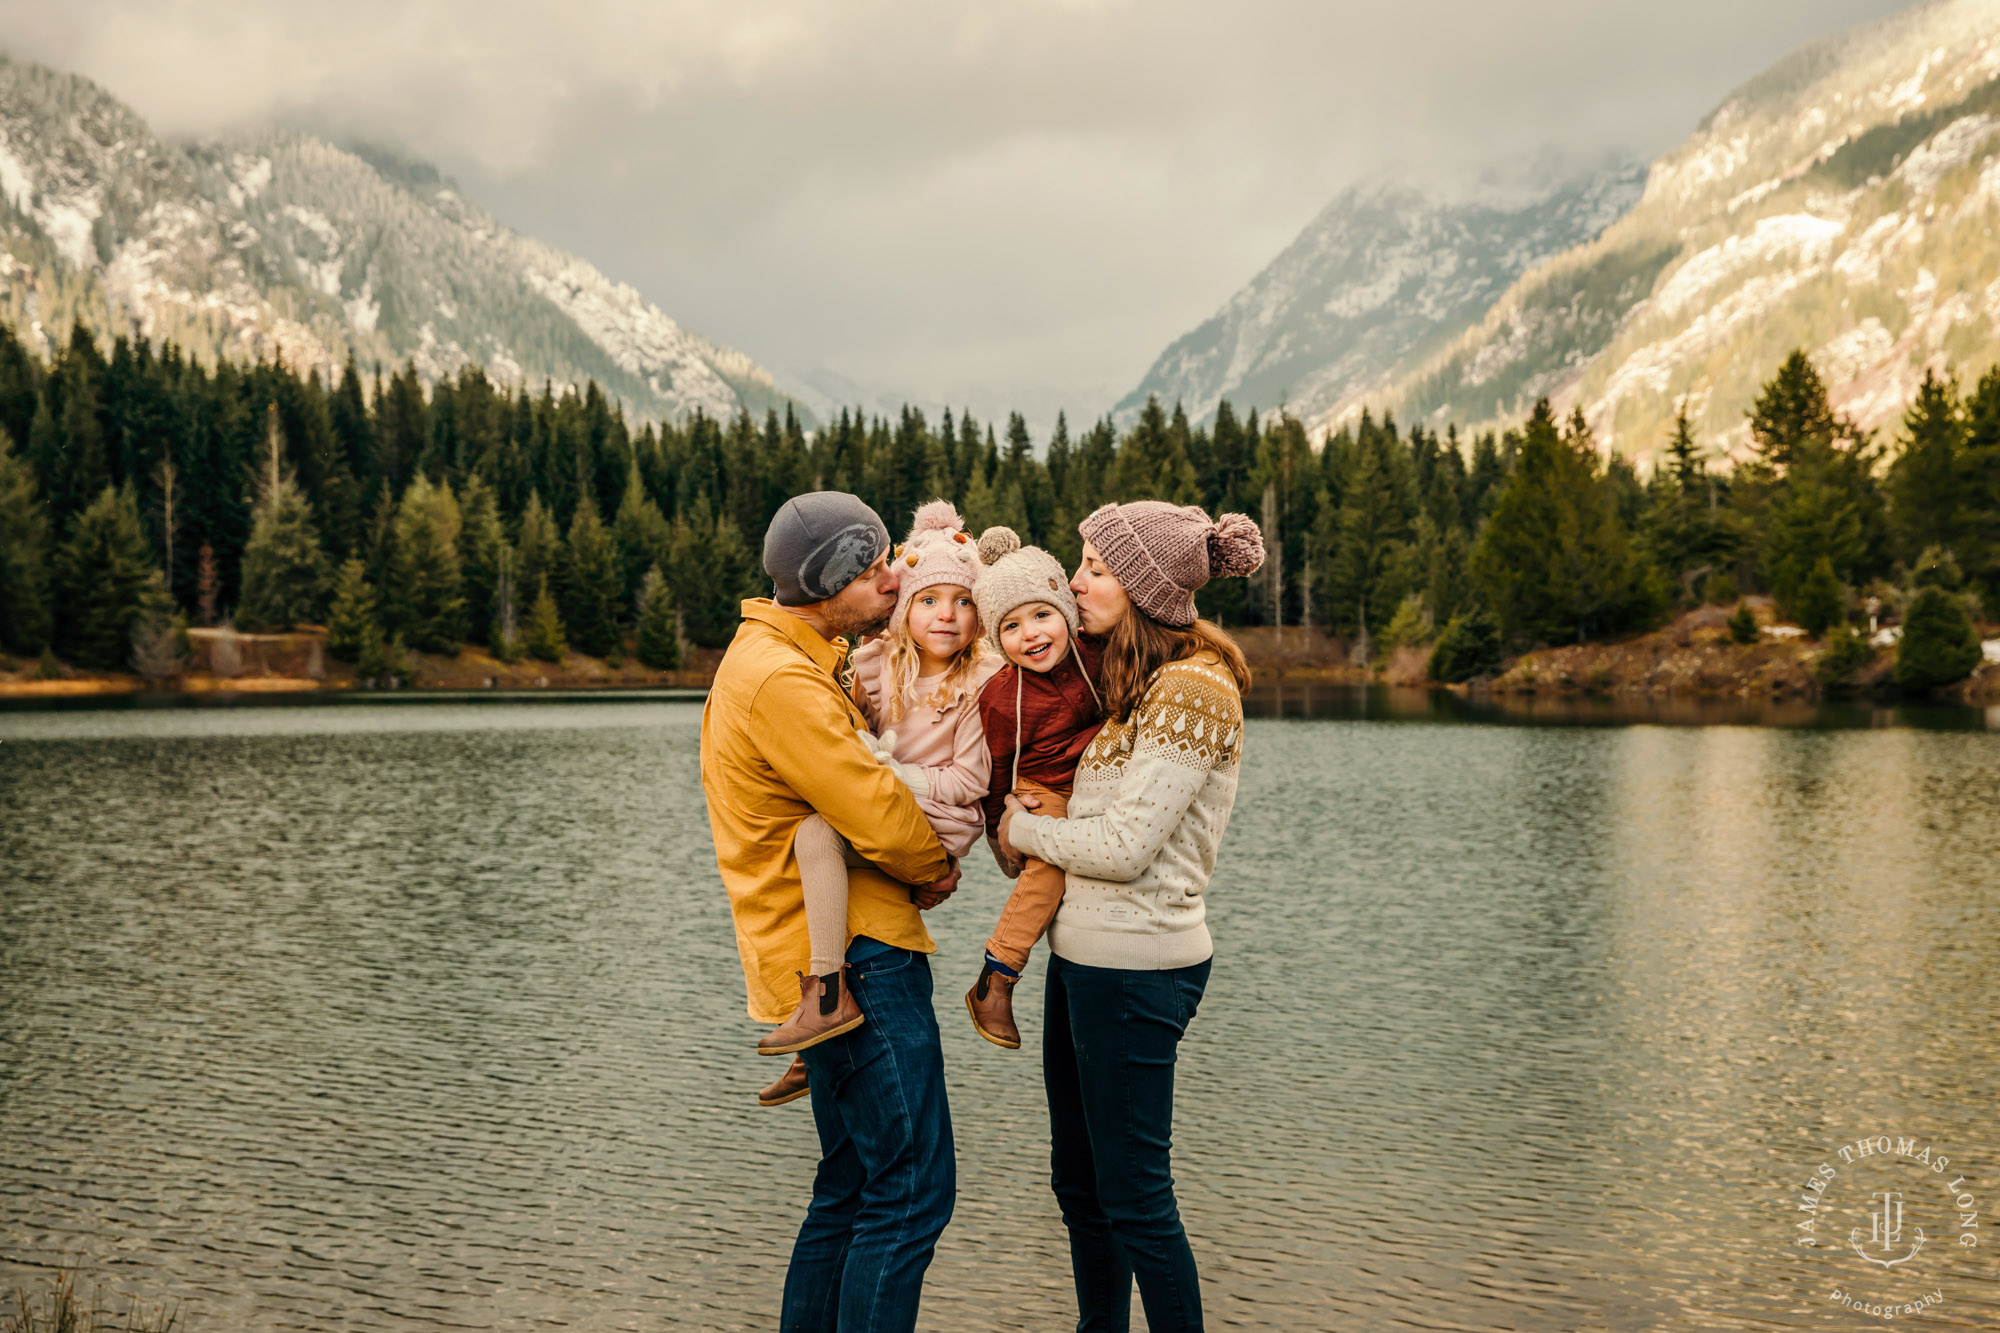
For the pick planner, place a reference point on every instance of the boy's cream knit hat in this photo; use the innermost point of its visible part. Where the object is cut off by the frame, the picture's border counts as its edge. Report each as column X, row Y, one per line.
column 1016, row 575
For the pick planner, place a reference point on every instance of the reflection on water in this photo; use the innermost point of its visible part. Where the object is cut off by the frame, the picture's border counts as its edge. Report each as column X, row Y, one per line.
column 1318, row 699
column 395, row 1017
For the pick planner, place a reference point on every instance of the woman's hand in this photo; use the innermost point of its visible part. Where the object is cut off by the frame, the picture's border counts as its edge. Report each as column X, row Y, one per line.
column 1015, row 805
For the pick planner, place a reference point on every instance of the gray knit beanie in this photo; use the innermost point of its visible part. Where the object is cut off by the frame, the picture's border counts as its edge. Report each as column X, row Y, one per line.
column 1016, row 575
column 1161, row 552
column 819, row 543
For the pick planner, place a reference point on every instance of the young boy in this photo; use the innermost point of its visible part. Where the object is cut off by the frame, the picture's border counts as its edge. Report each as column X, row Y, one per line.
column 1039, row 713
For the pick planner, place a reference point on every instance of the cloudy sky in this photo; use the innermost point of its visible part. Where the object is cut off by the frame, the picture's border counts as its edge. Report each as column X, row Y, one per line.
column 1010, row 203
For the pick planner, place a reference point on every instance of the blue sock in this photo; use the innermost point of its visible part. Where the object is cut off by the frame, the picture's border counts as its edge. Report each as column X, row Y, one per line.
column 1000, row 967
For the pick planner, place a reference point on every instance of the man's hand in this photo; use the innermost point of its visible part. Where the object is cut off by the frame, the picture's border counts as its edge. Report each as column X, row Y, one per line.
column 930, row 895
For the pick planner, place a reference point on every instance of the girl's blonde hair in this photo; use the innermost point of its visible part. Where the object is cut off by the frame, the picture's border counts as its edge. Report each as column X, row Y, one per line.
column 903, row 660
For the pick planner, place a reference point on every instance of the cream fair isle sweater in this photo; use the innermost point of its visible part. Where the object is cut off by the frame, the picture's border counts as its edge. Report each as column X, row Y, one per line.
column 1152, row 797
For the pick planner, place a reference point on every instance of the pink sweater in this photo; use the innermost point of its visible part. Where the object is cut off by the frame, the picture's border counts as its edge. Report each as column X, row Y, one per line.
column 949, row 744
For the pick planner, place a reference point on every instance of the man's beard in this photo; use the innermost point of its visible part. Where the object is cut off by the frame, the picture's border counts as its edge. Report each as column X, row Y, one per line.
column 851, row 625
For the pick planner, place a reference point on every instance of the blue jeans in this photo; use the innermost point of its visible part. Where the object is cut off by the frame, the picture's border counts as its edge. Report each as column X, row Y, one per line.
column 1108, row 1048
column 888, row 1175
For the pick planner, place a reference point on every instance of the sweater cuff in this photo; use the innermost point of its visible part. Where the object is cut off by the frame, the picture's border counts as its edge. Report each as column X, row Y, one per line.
column 1025, row 833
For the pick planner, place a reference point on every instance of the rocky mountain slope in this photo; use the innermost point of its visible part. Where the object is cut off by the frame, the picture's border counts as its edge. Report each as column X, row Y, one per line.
column 280, row 244
column 1387, row 273
column 1843, row 201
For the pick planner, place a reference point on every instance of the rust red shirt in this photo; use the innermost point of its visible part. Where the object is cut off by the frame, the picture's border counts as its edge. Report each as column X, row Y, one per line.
column 1059, row 715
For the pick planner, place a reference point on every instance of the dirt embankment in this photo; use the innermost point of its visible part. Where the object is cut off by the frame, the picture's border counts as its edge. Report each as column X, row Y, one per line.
column 1696, row 656
column 222, row 661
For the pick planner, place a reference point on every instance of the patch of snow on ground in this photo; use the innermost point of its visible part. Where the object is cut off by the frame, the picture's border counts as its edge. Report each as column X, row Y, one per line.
column 324, row 275
column 17, row 183
column 362, row 308
column 68, row 225
column 636, row 335
column 1803, row 237
column 1947, row 150
column 253, row 174
column 1653, row 367
column 1862, row 347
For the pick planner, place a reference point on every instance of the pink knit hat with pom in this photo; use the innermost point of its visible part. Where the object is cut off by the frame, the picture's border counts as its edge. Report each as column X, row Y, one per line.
column 939, row 550
column 1161, row 552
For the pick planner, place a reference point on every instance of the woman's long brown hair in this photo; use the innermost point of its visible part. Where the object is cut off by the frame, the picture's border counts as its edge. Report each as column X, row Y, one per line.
column 1139, row 645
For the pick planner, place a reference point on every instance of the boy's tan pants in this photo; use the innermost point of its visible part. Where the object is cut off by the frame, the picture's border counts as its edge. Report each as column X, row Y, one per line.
column 1037, row 893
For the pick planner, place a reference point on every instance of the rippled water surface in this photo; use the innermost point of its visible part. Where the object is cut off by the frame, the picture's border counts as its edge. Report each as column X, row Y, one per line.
column 404, row 1017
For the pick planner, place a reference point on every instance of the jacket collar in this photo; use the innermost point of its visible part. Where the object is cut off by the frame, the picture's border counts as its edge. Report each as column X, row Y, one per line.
column 826, row 654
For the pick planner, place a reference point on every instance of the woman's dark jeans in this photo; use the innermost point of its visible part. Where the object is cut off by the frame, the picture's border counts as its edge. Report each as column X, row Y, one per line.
column 1108, row 1061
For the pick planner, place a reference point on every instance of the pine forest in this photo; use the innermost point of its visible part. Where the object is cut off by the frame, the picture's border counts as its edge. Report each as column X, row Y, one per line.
column 142, row 492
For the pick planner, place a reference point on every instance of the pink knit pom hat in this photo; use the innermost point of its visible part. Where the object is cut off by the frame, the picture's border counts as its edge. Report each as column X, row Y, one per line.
column 938, row 550
column 1161, row 552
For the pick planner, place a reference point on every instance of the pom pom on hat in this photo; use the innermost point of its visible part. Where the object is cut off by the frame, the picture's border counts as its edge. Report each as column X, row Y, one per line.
column 936, row 516
column 996, row 542
column 1235, row 547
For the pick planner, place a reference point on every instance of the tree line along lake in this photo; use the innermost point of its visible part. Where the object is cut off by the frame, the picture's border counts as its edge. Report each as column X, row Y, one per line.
column 398, row 1014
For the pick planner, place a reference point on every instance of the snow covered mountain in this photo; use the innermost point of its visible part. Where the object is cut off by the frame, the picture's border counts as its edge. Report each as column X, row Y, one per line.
column 280, row 244
column 1388, row 272
column 1845, row 201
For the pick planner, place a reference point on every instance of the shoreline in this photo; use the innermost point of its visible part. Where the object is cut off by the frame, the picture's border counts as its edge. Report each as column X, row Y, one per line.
column 1689, row 660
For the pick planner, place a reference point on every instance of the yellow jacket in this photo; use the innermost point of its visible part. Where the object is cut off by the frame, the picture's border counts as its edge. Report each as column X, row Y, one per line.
column 778, row 743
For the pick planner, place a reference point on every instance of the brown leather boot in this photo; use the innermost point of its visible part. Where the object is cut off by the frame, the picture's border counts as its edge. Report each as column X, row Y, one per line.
column 791, row 1085
column 991, row 1004
column 826, row 1009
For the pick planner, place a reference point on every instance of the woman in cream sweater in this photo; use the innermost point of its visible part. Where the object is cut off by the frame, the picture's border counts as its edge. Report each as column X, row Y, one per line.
column 1130, row 947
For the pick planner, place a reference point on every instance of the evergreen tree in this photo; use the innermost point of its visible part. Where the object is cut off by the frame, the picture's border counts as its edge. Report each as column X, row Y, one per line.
column 713, row 574
column 426, row 596
column 1938, row 646
column 353, row 623
column 1153, row 464
column 1368, row 574
column 1815, row 513
column 1792, row 409
column 284, row 566
column 538, row 546
column 1684, row 529
column 1469, row 647
column 24, row 555
column 1845, row 653
column 1978, row 542
column 643, row 535
column 659, row 623
column 1554, row 560
column 1821, row 599
column 1743, row 624
column 544, row 638
column 1926, row 483
column 593, row 589
column 106, row 583
column 482, row 548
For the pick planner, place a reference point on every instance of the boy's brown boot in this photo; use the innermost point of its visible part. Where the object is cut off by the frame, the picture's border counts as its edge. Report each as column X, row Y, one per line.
column 791, row 1085
column 991, row 1004
column 826, row 1009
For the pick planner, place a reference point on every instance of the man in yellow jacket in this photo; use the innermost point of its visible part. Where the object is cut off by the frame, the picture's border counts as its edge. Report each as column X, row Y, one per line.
column 781, row 740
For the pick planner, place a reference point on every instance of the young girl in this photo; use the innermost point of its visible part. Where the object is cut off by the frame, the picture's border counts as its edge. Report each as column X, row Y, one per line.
column 1039, row 713
column 918, row 684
